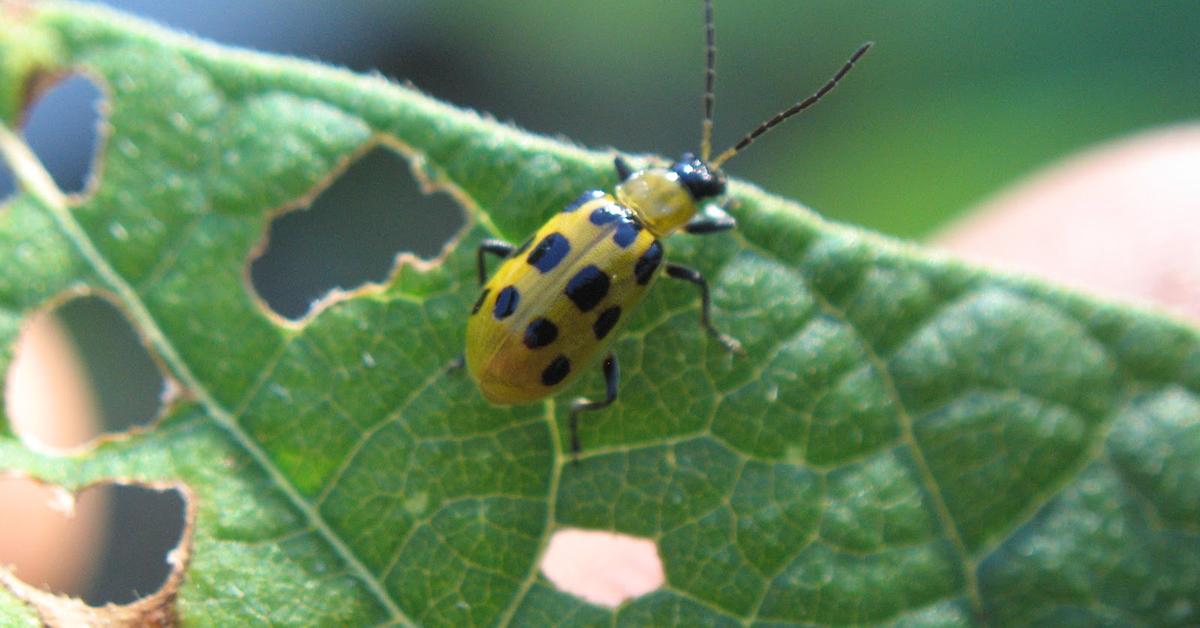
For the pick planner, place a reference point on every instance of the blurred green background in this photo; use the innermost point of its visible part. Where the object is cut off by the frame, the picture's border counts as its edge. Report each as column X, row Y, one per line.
column 957, row 100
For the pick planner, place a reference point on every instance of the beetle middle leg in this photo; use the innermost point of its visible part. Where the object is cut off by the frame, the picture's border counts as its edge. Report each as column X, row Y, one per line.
column 495, row 247
column 612, row 376
column 675, row 271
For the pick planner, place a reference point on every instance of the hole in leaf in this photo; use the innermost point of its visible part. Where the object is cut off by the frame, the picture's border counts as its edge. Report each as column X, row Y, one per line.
column 146, row 525
column 80, row 370
column 50, row 539
column 112, row 544
column 62, row 127
column 352, row 233
column 603, row 568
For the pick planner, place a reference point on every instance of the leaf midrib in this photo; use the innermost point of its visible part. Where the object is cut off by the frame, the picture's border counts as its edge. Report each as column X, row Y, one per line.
column 37, row 183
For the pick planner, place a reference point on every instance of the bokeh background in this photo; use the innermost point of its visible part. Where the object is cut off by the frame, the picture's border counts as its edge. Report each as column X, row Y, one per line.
column 957, row 100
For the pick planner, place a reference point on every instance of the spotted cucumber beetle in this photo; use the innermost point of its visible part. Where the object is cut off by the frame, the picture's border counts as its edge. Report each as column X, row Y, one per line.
column 558, row 300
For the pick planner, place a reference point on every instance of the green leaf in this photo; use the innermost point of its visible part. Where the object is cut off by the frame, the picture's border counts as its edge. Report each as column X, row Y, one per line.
column 907, row 441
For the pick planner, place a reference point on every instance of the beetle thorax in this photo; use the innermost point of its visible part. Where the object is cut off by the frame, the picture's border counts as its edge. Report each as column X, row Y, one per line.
column 659, row 199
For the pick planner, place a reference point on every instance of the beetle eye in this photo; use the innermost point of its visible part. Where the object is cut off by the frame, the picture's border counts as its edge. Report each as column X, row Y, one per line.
column 695, row 175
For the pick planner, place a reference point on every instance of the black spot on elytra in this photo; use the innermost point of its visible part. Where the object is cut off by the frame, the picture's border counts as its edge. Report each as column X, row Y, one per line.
column 540, row 333
column 626, row 233
column 480, row 300
column 590, row 195
column 608, row 213
column 549, row 252
column 506, row 303
column 604, row 324
column 587, row 288
column 558, row 370
column 648, row 263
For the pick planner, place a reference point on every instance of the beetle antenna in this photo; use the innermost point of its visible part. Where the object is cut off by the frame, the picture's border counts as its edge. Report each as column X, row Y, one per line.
column 793, row 110
column 710, row 79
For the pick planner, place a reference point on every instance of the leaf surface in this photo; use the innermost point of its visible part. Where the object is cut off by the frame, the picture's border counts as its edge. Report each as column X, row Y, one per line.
column 907, row 441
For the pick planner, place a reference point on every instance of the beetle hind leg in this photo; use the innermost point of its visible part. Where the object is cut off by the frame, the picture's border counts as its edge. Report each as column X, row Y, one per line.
column 612, row 376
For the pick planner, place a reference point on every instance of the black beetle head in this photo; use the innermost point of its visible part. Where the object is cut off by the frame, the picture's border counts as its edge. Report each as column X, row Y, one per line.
column 696, row 176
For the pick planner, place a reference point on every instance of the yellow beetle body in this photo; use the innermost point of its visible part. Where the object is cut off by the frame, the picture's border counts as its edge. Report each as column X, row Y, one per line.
column 557, row 302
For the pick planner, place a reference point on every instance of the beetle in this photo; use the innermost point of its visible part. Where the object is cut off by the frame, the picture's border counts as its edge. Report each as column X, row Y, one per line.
column 557, row 301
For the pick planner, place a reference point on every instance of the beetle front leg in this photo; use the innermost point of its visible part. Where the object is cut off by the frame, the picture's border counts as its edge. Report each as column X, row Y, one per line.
column 714, row 219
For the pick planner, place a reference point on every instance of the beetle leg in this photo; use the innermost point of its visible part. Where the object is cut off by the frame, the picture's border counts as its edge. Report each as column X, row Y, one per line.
column 675, row 271
column 495, row 247
column 706, row 224
column 714, row 219
column 624, row 171
column 612, row 376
